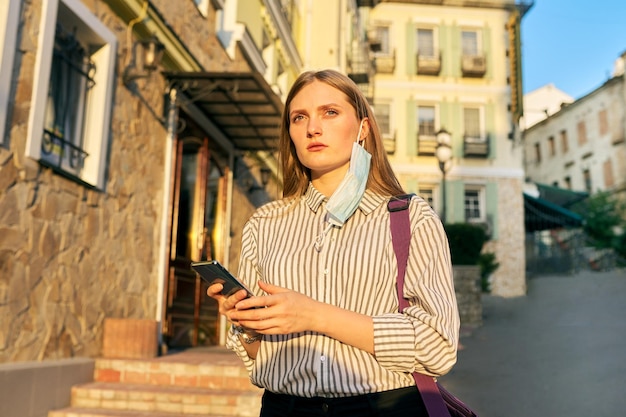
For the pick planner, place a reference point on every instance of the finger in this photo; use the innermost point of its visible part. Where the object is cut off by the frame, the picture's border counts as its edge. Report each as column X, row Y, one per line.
column 270, row 288
column 214, row 290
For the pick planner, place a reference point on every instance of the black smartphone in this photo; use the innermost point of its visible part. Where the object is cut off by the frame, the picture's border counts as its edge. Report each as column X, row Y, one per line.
column 213, row 271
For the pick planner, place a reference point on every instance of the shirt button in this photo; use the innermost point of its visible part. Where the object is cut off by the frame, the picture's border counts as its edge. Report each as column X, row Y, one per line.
column 323, row 358
column 326, row 272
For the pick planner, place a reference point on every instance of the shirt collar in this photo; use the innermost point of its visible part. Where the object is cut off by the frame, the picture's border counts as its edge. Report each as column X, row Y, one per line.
column 368, row 204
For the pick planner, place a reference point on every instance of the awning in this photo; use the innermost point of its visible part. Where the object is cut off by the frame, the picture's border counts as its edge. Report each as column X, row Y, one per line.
column 540, row 214
column 242, row 105
column 560, row 196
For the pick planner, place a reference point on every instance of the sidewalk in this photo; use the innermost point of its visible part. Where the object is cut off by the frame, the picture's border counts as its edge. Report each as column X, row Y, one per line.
column 559, row 351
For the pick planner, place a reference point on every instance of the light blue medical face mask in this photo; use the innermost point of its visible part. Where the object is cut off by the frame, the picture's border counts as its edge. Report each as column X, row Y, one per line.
column 346, row 198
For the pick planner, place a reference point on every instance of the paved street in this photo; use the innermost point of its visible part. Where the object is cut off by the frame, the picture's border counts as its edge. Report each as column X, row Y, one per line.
column 560, row 351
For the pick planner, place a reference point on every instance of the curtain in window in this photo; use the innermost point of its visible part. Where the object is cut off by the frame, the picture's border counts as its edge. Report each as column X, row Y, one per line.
column 469, row 43
column 426, row 120
column 426, row 42
column 471, row 122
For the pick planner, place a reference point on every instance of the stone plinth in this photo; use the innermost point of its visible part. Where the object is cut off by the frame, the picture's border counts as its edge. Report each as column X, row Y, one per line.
column 130, row 338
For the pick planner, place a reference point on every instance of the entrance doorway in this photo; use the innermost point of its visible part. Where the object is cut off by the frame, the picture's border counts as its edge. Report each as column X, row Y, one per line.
column 197, row 233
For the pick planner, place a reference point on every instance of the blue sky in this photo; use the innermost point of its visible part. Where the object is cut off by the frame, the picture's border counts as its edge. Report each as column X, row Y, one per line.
column 572, row 44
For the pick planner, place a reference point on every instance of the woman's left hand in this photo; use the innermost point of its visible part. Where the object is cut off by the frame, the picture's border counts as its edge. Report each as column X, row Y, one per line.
column 282, row 311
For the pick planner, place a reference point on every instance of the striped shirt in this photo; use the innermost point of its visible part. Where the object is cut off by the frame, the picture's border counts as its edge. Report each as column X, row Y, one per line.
column 355, row 268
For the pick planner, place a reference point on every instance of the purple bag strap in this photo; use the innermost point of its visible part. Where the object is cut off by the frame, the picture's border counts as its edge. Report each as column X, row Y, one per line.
column 401, row 239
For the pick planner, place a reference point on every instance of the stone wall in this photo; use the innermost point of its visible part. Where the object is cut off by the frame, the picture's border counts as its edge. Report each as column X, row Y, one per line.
column 72, row 256
column 468, row 294
column 509, row 280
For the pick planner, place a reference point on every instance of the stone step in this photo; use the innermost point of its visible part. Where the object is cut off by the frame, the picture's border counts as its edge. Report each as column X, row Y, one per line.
column 87, row 412
column 215, row 369
column 176, row 400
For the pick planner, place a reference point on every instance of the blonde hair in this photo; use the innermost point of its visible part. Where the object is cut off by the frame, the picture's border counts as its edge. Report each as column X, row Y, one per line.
column 296, row 176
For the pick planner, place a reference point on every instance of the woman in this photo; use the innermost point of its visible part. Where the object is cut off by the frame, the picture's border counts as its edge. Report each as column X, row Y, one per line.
column 323, row 336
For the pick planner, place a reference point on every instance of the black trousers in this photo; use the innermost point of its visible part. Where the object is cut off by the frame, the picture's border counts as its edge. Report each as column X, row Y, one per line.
column 402, row 402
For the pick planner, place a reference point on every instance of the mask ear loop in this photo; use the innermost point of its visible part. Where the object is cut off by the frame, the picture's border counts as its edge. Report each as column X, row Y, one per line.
column 358, row 136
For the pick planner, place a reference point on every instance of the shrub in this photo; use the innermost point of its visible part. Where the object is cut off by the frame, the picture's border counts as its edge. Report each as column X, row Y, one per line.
column 488, row 264
column 466, row 242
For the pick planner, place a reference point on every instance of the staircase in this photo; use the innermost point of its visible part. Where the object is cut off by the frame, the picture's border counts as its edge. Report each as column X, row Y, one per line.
column 211, row 382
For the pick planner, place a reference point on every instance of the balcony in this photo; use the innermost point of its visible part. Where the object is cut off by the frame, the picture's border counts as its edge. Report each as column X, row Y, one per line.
column 389, row 142
column 385, row 64
column 476, row 147
column 474, row 66
column 426, row 145
column 428, row 65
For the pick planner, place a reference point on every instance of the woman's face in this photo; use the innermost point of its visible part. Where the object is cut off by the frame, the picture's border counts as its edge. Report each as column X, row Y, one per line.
column 323, row 127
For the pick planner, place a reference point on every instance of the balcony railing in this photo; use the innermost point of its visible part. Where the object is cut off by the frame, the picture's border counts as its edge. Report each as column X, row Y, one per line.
column 428, row 65
column 385, row 64
column 473, row 65
column 476, row 147
column 426, row 145
column 389, row 142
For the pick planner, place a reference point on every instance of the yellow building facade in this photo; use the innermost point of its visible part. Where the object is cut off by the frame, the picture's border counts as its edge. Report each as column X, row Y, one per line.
column 455, row 67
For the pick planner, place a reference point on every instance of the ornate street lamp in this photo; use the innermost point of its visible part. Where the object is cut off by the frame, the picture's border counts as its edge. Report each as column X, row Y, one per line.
column 443, row 152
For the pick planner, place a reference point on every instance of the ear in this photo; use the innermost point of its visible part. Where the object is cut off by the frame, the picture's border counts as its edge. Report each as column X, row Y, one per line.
column 365, row 130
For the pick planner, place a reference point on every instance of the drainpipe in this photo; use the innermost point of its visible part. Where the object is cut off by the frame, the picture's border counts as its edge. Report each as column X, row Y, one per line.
column 162, row 272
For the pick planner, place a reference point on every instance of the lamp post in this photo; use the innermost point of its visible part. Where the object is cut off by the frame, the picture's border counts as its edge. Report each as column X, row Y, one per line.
column 443, row 152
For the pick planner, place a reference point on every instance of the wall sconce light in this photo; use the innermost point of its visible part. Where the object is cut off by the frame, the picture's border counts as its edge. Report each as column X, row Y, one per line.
column 146, row 57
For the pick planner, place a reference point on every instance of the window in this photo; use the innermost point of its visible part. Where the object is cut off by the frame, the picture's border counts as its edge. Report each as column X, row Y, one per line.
column 426, row 120
column 582, row 133
column 73, row 92
column 9, row 22
column 609, row 180
column 203, row 6
column 426, row 43
column 551, row 146
column 469, row 43
column 587, row 180
column 471, row 124
column 383, row 113
column 603, row 122
column 473, row 203
column 382, row 39
column 537, row 153
column 564, row 143
column 427, row 195
column 568, row 182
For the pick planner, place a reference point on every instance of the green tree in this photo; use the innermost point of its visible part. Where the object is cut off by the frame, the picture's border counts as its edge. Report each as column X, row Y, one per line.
column 605, row 222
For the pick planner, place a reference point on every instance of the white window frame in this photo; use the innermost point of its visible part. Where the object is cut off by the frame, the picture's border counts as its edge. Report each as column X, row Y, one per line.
column 9, row 23
column 98, row 109
column 388, row 103
column 203, row 7
column 435, row 121
column 435, row 41
column 482, row 203
column 481, row 124
column 386, row 48
column 479, row 41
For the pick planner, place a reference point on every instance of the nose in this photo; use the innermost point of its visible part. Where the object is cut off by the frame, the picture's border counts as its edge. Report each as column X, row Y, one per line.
column 314, row 127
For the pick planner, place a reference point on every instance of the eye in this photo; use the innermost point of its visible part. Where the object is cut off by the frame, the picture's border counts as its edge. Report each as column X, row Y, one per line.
column 331, row 112
column 296, row 118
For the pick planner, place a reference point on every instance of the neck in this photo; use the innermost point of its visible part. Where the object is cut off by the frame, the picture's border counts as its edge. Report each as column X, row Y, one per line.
column 327, row 183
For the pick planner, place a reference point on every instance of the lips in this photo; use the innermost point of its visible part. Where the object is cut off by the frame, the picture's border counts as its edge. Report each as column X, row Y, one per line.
column 316, row 147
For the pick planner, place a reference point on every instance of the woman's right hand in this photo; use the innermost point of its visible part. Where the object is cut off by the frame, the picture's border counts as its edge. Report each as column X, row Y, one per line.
column 226, row 304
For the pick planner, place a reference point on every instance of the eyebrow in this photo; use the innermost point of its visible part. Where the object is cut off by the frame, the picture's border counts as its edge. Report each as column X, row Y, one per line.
column 323, row 106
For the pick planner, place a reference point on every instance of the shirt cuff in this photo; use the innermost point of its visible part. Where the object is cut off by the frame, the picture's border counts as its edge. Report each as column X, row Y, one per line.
column 394, row 342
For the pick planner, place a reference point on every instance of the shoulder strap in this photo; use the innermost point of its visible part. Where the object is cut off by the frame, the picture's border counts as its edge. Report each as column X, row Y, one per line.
column 401, row 239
